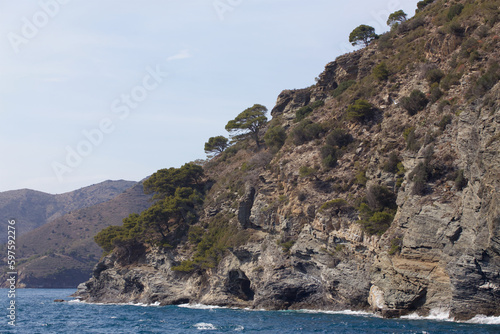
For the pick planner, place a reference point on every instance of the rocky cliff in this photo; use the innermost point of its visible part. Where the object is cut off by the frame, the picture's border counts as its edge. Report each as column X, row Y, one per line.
column 384, row 195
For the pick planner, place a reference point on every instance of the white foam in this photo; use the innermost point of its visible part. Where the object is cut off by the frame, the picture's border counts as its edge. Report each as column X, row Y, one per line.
column 78, row 301
column 205, row 326
column 239, row 329
column 484, row 320
column 439, row 314
column 200, row 306
column 344, row 312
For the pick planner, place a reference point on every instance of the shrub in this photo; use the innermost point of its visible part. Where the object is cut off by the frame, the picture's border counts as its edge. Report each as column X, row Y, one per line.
column 195, row 234
column 339, row 137
column 445, row 120
column 306, row 110
column 422, row 4
column 317, row 104
column 336, row 204
column 412, row 143
column 275, row 137
column 487, row 80
column 419, row 177
column 360, row 111
column 460, row 180
column 327, row 151
column 410, row 25
column 342, row 87
column 396, row 245
column 391, row 165
column 434, row 75
column 361, row 178
column 451, row 79
column 456, row 29
column 379, row 223
column 414, row 103
column 435, row 93
column 380, row 198
column 381, row 72
column 285, row 246
column 306, row 171
column 385, row 40
column 302, row 113
column 306, row 131
column 302, row 197
column 468, row 47
column 454, row 11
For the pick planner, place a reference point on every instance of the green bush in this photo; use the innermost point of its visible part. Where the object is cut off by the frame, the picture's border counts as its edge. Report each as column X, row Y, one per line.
column 487, row 80
column 414, row 103
column 306, row 131
column 360, row 111
column 339, row 138
column 306, row 171
column 302, row 113
column 434, row 75
column 379, row 223
column 195, row 234
column 460, row 180
column 220, row 236
column 396, row 245
column 422, row 4
column 342, row 87
column 454, row 11
column 329, row 156
column 419, row 177
column 185, row 266
column 391, row 165
column 380, row 198
column 336, row 204
column 285, row 246
column 381, row 72
column 412, row 143
column 435, row 92
column 445, row 120
column 455, row 28
column 361, row 178
column 451, row 79
column 317, row 104
column 275, row 137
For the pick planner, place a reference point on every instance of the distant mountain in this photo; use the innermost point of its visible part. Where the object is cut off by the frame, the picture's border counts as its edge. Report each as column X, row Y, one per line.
column 32, row 209
column 62, row 253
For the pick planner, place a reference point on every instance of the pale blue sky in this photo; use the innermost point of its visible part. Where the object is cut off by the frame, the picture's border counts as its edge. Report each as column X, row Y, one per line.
column 67, row 67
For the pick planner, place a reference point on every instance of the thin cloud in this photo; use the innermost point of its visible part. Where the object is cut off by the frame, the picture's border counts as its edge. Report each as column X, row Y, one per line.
column 183, row 54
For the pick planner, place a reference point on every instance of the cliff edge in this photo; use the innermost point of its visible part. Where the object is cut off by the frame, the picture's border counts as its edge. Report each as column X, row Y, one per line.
column 380, row 193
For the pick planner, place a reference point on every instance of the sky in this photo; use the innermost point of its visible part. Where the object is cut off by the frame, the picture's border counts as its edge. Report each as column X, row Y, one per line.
column 118, row 89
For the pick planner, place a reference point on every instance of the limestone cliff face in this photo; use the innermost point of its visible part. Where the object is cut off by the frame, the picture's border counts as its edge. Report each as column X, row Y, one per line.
column 307, row 245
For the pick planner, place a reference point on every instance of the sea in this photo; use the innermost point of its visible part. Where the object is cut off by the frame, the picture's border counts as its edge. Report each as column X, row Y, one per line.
column 36, row 312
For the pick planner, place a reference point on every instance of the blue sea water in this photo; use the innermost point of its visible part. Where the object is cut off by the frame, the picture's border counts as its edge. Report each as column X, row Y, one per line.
column 36, row 312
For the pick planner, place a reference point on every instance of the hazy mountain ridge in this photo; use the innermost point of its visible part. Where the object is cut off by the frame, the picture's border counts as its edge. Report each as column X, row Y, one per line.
column 62, row 253
column 33, row 208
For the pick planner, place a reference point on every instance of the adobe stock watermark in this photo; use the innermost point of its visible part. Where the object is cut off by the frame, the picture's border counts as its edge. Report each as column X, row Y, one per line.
column 379, row 22
column 122, row 107
column 224, row 6
column 30, row 27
